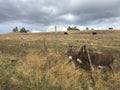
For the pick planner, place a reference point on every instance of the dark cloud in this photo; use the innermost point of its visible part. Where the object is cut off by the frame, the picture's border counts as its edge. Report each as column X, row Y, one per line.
column 47, row 12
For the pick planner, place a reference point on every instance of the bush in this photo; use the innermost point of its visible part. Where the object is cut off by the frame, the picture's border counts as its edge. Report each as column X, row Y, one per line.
column 23, row 30
column 15, row 29
column 72, row 28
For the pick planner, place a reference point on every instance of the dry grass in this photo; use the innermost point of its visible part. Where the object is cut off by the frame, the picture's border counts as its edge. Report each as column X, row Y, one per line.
column 37, row 68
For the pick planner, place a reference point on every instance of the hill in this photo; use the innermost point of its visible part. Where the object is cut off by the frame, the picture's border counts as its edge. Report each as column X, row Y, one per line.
column 38, row 61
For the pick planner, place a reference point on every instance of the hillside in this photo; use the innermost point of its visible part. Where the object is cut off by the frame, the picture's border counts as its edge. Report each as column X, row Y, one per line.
column 38, row 61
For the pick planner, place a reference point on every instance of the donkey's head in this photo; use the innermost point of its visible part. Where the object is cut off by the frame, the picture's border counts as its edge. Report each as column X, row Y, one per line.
column 82, row 54
column 70, row 52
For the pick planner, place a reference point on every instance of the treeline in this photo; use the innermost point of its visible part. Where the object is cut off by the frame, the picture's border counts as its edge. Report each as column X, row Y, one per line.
column 73, row 28
column 76, row 29
column 22, row 30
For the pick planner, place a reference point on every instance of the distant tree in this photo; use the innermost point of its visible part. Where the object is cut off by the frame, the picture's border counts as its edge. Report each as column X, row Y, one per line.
column 87, row 28
column 23, row 30
column 72, row 28
column 69, row 28
column 75, row 28
column 15, row 29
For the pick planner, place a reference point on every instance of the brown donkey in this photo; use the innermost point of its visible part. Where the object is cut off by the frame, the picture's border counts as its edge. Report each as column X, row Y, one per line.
column 73, row 55
column 97, row 59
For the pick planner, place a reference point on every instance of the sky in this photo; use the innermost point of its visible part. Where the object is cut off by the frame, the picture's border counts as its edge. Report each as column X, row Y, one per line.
column 43, row 15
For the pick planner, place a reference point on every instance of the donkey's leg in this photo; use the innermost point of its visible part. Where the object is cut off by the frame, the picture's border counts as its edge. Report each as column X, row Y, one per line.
column 111, row 68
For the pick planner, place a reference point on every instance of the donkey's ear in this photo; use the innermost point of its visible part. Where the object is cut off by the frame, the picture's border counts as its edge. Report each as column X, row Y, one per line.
column 70, row 46
column 84, row 46
column 82, row 49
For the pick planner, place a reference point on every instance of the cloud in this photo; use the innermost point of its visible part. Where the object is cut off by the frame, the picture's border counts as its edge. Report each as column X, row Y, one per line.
column 62, row 12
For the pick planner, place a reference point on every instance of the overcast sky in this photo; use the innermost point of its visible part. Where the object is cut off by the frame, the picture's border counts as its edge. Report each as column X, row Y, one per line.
column 42, row 15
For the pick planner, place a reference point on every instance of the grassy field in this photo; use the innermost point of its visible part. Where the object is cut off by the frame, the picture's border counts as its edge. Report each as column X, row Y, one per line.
column 38, row 61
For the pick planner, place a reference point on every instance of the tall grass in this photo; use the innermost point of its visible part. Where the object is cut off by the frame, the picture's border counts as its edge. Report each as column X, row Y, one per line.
column 34, row 69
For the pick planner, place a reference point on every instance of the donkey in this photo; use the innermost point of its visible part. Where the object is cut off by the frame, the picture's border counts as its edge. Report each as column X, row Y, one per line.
column 97, row 59
column 73, row 55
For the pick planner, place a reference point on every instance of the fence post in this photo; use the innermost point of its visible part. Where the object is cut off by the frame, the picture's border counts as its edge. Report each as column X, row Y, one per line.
column 91, row 66
column 23, row 46
column 46, row 52
column 89, row 58
column 56, row 47
column 45, row 46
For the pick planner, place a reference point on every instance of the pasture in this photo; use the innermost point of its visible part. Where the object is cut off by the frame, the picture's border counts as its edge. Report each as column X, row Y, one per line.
column 38, row 61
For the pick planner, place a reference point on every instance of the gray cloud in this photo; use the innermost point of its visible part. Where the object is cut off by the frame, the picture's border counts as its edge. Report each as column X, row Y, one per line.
column 47, row 12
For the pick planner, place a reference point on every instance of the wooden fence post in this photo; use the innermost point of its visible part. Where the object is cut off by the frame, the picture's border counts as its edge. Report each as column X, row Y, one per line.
column 56, row 47
column 45, row 46
column 89, row 58
column 91, row 66
column 23, row 46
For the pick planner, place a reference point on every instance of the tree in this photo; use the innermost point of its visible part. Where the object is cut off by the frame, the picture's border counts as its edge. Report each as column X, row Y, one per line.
column 87, row 28
column 75, row 28
column 15, row 29
column 69, row 28
column 23, row 30
column 72, row 28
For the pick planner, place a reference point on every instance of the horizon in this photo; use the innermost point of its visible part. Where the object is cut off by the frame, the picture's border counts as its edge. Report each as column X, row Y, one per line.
column 52, row 29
